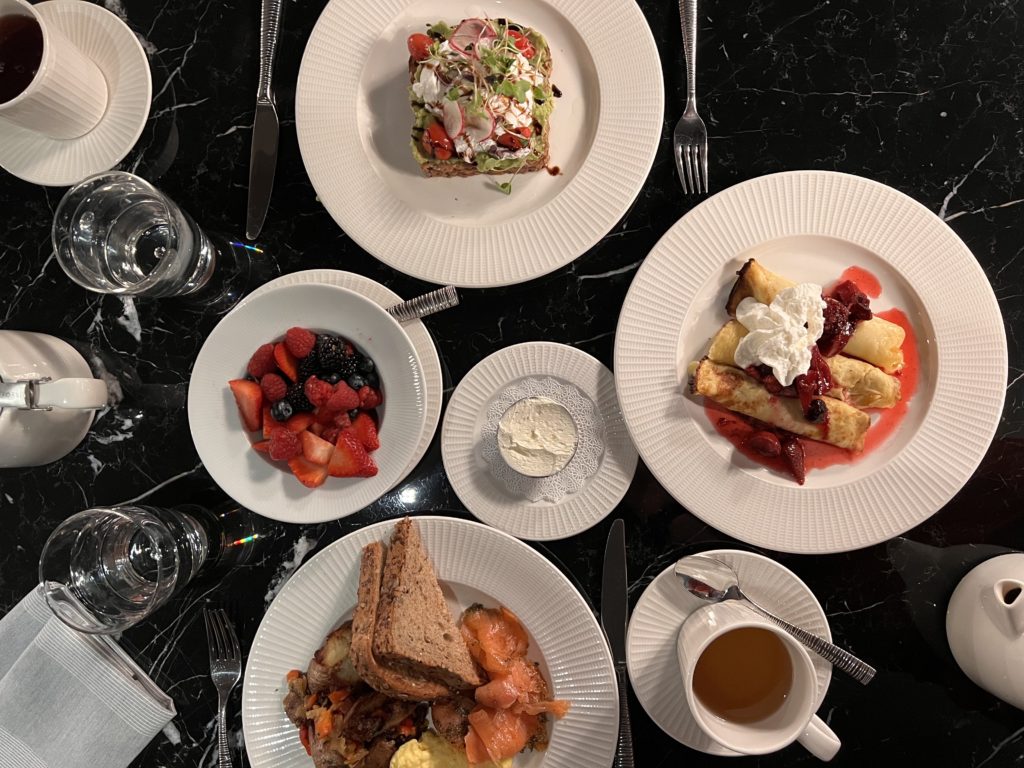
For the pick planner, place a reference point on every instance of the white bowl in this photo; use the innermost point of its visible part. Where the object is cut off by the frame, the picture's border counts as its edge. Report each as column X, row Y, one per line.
column 268, row 487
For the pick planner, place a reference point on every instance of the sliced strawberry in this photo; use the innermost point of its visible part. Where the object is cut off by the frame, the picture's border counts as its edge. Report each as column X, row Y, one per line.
column 268, row 421
column 330, row 434
column 344, row 398
column 350, row 458
column 317, row 428
column 263, row 446
column 315, row 449
column 286, row 361
column 299, row 422
column 369, row 397
column 310, row 475
column 249, row 398
column 366, row 431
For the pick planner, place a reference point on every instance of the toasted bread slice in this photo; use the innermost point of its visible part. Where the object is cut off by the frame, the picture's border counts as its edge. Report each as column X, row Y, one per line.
column 415, row 630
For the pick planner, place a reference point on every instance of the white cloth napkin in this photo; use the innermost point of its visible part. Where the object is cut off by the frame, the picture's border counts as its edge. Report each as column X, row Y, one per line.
column 69, row 700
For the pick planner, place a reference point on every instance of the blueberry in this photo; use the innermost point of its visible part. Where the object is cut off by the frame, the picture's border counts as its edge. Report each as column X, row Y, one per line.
column 373, row 379
column 353, row 413
column 356, row 381
column 365, row 364
column 281, row 410
column 332, row 378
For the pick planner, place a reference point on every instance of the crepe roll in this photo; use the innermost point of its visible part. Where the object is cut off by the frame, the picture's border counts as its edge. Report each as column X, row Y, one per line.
column 733, row 389
column 860, row 384
column 877, row 341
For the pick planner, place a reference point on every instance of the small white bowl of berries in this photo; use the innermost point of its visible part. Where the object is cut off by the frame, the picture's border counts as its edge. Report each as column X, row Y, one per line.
column 306, row 403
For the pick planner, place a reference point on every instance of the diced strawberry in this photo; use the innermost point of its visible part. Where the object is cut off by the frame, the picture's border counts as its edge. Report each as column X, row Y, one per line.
column 284, row 444
column 310, row 475
column 262, row 362
column 268, row 421
column 286, row 361
column 316, row 449
column 369, row 397
column 273, row 387
column 330, row 434
column 350, row 458
column 263, row 446
column 317, row 391
column 300, row 342
column 300, row 421
column 366, row 431
column 344, row 398
column 249, row 398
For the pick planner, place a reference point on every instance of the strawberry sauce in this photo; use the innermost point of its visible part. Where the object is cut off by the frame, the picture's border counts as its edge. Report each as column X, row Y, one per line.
column 864, row 280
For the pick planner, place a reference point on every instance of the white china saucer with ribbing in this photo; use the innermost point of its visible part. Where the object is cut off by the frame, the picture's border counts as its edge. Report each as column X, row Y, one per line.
column 470, row 476
column 415, row 330
column 659, row 614
column 109, row 42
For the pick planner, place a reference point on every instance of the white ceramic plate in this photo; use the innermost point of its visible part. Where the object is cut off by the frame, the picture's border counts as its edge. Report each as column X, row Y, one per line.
column 470, row 476
column 475, row 564
column 811, row 225
column 108, row 41
column 654, row 626
column 353, row 121
column 433, row 387
column 268, row 487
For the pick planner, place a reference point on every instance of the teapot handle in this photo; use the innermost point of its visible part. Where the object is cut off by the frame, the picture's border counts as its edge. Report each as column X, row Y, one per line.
column 73, row 394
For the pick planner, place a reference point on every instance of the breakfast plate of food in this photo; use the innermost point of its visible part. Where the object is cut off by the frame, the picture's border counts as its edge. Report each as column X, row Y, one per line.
column 470, row 145
column 425, row 637
column 811, row 362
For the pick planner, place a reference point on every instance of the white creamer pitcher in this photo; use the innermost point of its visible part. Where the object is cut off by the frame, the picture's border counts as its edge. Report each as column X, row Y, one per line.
column 48, row 398
column 985, row 626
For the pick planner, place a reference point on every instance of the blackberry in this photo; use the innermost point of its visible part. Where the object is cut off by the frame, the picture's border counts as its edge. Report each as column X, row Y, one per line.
column 331, row 352
column 281, row 410
column 308, row 366
column 356, row 381
column 297, row 399
column 344, row 368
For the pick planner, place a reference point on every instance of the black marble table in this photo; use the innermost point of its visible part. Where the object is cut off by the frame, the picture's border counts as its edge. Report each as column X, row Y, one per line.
column 925, row 97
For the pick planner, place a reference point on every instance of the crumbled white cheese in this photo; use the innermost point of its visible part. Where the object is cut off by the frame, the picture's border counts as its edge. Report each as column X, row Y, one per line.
column 537, row 437
column 429, row 87
column 781, row 334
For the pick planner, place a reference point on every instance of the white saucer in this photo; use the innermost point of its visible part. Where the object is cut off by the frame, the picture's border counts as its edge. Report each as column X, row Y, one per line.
column 108, row 41
column 415, row 330
column 654, row 627
column 469, row 475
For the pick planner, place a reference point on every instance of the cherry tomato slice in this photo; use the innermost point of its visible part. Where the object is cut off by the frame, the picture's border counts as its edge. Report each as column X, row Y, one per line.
column 436, row 142
column 510, row 140
column 419, row 46
column 522, row 43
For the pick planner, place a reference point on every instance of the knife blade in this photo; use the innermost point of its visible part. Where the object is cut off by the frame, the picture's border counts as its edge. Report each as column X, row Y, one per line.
column 265, row 126
column 614, row 613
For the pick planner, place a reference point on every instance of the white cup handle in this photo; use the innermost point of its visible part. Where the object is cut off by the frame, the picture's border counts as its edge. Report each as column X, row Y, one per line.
column 73, row 394
column 820, row 740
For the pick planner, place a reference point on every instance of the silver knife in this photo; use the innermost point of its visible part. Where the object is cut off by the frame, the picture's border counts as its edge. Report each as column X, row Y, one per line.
column 614, row 612
column 265, row 128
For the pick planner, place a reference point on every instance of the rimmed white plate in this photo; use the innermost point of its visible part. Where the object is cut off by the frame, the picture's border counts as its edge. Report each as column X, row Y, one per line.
column 812, row 225
column 109, row 42
column 433, row 387
column 268, row 487
column 470, row 476
column 660, row 612
column 353, row 122
column 475, row 564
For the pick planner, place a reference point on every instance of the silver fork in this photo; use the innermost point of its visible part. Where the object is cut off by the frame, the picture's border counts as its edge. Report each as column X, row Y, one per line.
column 690, row 140
column 225, row 669
column 427, row 304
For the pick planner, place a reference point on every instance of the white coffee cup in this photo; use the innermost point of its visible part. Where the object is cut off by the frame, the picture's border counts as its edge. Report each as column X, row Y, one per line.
column 68, row 95
column 48, row 398
column 793, row 721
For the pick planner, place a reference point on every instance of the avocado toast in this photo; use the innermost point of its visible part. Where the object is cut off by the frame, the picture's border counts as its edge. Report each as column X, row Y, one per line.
column 482, row 98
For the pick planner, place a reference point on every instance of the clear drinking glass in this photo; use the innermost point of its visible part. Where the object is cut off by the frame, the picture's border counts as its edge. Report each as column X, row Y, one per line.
column 117, row 233
column 107, row 568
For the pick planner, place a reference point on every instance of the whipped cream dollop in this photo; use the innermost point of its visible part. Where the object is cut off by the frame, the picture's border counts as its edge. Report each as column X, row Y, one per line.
column 537, row 437
column 781, row 334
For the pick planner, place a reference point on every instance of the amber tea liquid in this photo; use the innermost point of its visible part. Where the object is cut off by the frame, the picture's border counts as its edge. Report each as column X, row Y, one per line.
column 21, row 51
column 744, row 675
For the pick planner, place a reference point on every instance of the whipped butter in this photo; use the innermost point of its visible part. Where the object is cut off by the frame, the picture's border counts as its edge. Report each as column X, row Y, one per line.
column 537, row 437
column 781, row 334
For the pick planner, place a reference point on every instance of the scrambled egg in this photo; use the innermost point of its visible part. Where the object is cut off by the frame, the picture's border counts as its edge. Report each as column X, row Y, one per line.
column 431, row 751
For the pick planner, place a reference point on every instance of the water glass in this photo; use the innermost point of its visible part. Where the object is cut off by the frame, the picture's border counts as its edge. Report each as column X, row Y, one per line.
column 107, row 568
column 117, row 233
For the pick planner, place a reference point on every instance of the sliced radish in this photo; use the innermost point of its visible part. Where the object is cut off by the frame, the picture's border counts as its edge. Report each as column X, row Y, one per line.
column 454, row 118
column 467, row 36
column 480, row 125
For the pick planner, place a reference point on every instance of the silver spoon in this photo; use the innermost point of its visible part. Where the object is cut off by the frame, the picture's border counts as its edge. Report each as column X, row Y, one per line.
column 714, row 581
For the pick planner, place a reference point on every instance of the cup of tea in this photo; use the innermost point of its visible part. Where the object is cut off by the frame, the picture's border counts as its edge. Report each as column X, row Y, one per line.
column 750, row 686
column 46, row 83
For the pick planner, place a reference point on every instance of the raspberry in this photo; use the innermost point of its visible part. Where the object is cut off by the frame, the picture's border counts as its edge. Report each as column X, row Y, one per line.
column 369, row 398
column 273, row 387
column 317, row 392
column 262, row 362
column 299, row 341
column 284, row 444
column 344, row 398
column 330, row 434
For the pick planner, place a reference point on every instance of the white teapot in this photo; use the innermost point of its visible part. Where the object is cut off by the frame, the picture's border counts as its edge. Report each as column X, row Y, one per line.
column 48, row 398
column 985, row 626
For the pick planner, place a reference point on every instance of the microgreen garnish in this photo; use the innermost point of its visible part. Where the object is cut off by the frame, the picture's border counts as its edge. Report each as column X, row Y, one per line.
column 506, row 187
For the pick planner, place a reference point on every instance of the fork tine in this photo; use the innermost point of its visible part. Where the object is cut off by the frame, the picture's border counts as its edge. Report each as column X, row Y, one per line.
column 691, row 169
column 218, row 628
column 685, row 169
column 233, row 648
column 702, row 152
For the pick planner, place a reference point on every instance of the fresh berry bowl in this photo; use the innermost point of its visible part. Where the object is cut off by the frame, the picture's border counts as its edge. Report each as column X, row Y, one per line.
column 233, row 412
